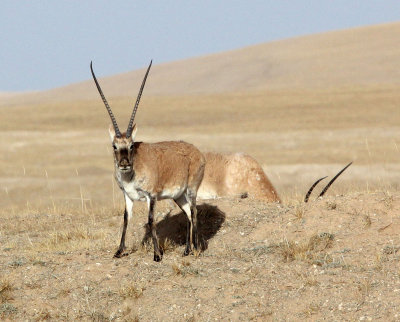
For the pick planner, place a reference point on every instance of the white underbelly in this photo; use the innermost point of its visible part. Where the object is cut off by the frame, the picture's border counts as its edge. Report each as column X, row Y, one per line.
column 135, row 193
column 171, row 193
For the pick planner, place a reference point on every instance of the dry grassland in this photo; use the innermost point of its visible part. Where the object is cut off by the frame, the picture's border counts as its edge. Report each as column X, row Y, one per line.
column 62, row 151
column 334, row 259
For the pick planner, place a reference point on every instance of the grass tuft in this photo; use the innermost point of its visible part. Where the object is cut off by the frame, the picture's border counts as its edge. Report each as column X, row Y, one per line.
column 5, row 290
column 310, row 251
column 300, row 210
column 184, row 269
column 367, row 221
column 66, row 240
column 7, row 309
column 131, row 292
column 43, row 315
column 330, row 205
column 167, row 245
column 388, row 199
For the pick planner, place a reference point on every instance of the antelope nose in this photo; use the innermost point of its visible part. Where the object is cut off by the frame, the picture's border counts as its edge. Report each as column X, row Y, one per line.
column 124, row 163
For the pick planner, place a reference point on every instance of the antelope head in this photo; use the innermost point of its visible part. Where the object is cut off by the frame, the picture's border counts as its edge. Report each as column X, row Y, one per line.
column 122, row 143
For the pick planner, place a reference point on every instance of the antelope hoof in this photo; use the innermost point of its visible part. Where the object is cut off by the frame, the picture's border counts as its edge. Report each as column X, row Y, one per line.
column 158, row 257
column 120, row 253
column 187, row 252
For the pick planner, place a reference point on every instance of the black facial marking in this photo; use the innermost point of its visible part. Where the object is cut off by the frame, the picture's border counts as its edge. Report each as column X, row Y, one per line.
column 124, row 153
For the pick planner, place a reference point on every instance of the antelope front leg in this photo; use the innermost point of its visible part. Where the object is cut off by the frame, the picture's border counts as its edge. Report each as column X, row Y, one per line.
column 158, row 253
column 127, row 215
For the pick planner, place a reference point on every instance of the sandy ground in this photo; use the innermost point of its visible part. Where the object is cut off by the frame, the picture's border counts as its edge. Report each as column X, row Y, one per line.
column 334, row 259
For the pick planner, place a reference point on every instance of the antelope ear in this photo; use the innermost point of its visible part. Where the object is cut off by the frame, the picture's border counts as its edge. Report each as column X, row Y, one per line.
column 134, row 130
column 112, row 132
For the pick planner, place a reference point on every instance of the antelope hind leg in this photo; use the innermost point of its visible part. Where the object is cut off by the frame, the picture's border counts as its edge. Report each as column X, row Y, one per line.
column 185, row 206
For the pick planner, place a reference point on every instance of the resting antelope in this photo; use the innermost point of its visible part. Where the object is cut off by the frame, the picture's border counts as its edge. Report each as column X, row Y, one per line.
column 154, row 171
column 239, row 175
column 235, row 175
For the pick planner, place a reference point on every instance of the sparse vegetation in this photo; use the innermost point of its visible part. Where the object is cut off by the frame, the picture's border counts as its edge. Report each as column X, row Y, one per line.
column 388, row 199
column 309, row 251
column 331, row 205
column 131, row 291
column 61, row 209
column 5, row 290
column 367, row 220
column 244, row 254
column 184, row 269
column 299, row 211
column 7, row 309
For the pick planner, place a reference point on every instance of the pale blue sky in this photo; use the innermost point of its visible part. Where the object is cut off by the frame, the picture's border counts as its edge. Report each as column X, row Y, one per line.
column 46, row 44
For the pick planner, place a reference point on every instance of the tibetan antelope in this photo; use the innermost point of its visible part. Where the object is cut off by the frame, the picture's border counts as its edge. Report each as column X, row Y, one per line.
column 235, row 175
column 154, row 171
column 239, row 175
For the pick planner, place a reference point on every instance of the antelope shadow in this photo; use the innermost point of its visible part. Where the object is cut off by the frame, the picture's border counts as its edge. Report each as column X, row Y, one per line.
column 173, row 227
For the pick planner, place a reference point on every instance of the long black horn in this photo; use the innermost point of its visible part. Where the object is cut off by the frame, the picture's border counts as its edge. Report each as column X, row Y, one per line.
column 333, row 180
column 312, row 188
column 113, row 120
column 130, row 125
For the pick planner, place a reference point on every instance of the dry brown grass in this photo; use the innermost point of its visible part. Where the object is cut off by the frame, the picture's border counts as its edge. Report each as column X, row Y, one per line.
column 5, row 290
column 131, row 291
column 309, row 251
column 262, row 262
column 300, row 210
column 335, row 258
column 297, row 136
column 184, row 269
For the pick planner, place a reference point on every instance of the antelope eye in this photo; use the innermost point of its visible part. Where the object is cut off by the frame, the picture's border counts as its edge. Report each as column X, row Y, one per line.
column 131, row 147
column 114, row 147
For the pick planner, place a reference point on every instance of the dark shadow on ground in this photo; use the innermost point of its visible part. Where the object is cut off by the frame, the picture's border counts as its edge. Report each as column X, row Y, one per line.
column 173, row 228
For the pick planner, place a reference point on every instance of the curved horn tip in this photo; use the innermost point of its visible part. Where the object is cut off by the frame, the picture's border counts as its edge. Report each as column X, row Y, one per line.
column 129, row 129
column 308, row 194
column 333, row 179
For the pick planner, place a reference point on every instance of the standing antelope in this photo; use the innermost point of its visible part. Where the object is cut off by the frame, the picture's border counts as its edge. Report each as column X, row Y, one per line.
column 154, row 171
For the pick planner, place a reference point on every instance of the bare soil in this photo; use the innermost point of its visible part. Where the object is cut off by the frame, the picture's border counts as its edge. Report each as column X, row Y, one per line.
column 335, row 259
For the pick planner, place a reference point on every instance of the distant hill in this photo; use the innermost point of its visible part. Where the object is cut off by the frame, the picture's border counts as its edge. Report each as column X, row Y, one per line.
column 359, row 56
